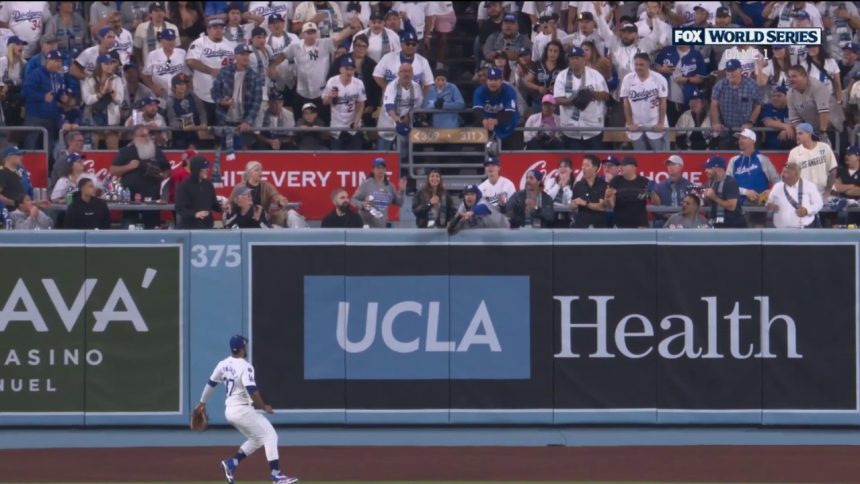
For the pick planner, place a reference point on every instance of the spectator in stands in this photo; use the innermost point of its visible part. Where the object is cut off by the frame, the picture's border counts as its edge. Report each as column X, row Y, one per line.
column 712, row 54
column 684, row 70
column 644, row 93
column 787, row 12
column 275, row 116
column 142, row 166
column 496, row 189
column 124, row 46
column 147, row 34
column 261, row 61
column 195, row 197
column 581, row 92
column 546, row 118
column 375, row 195
column 735, row 104
column 163, row 64
column 794, row 201
column 432, row 205
column 748, row 56
column 133, row 14
column 689, row 216
column 400, row 99
column 74, row 142
column 266, row 195
column 311, row 140
column 68, row 27
column 11, row 182
column 775, row 115
column 628, row 195
column 135, row 91
column 508, row 40
column 773, row 72
column 148, row 116
column 749, row 13
column 819, row 65
column 501, row 62
column 87, row 211
column 327, row 15
column 545, row 32
column 387, row 68
column 364, row 67
column 541, row 78
column 444, row 95
column 189, row 18
column 41, row 89
column 753, row 171
column 85, row 64
column 11, row 78
column 496, row 106
column 531, row 207
column 696, row 117
column 238, row 91
column 28, row 216
column 847, row 183
column 343, row 216
column 808, row 99
column 839, row 20
column 475, row 214
column 69, row 183
column 380, row 39
column 815, row 159
column 492, row 25
column 670, row 192
column 850, row 62
column 586, row 32
column 246, row 214
column 623, row 47
column 723, row 195
column 47, row 44
column 346, row 96
column 70, row 116
column 100, row 11
column 236, row 29
column 418, row 13
column 103, row 93
column 442, row 21
column 207, row 55
column 560, row 189
column 184, row 113
column 25, row 20
column 611, row 168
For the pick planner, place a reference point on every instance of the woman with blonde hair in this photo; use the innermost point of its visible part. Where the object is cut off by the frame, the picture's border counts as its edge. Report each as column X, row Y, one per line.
column 103, row 93
column 266, row 195
column 11, row 79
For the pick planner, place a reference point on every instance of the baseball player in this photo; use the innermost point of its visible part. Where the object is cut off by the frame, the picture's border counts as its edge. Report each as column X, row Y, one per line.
column 242, row 396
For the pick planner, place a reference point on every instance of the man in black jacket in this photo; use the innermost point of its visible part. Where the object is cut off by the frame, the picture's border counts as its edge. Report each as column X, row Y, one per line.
column 531, row 207
column 142, row 166
column 195, row 197
column 87, row 211
column 342, row 217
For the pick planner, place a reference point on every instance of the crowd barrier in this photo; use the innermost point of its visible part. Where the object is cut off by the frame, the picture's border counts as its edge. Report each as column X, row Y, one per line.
column 415, row 327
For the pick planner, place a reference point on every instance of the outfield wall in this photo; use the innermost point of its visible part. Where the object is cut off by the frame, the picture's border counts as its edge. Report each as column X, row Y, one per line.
column 413, row 327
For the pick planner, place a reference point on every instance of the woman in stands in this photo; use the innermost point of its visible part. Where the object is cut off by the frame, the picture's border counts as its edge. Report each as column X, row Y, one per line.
column 541, row 78
column 103, row 93
column 433, row 206
column 11, row 78
column 774, row 71
column 819, row 65
column 560, row 189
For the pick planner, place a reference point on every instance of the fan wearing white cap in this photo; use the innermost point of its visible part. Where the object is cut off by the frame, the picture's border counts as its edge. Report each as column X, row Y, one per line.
column 753, row 171
column 815, row 159
column 624, row 46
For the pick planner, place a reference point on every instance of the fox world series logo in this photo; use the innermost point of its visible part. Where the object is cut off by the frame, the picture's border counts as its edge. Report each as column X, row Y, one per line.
column 746, row 36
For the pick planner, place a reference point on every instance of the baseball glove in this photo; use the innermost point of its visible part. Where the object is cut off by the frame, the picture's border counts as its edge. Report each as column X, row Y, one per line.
column 582, row 99
column 199, row 419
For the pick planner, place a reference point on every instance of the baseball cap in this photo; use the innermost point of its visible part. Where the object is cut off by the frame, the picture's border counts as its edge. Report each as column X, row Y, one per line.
column 852, row 46
column 275, row 95
column 510, row 18
column 675, row 160
column 629, row 160
column 276, row 17
column 311, row 106
column 309, row 26
column 697, row 94
column 167, row 34
column 575, row 52
column 104, row 31
column 548, row 98
column 378, row 162
column 472, row 189
column 242, row 49
column 747, row 133
column 15, row 40
column 700, row 7
column 586, row 17
column 494, row 73
column 198, row 162
column 492, row 160
column 10, row 150
column 716, row 162
column 806, row 128
column 853, row 150
column 537, row 174
column 130, row 65
column 723, row 12
column 782, row 88
column 733, row 64
column 180, row 78
column 216, row 22
column 156, row 6
column 377, row 16
column 802, row 15
column 408, row 36
column 234, row 6
column 105, row 59
column 525, row 51
column 149, row 100
column 612, row 160
column 630, row 27
column 73, row 157
column 54, row 55
column 237, row 342
column 347, row 62
column 258, row 31
column 48, row 39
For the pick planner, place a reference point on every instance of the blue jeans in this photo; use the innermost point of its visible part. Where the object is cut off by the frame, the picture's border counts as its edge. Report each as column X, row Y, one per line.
column 644, row 143
column 31, row 142
column 385, row 145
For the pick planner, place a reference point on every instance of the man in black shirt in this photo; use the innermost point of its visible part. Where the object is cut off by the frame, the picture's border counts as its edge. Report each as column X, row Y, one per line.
column 87, row 211
column 195, row 197
column 11, row 185
column 142, row 166
column 723, row 195
column 342, row 217
column 493, row 24
column 629, row 194
column 589, row 195
column 848, row 175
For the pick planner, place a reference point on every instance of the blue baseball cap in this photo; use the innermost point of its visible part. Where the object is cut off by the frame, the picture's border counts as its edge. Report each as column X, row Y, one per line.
column 575, row 52
column 492, row 160
column 472, row 189
column 15, row 40
column 494, row 73
column 379, row 162
column 806, row 128
column 697, row 94
column 10, row 150
column 716, row 162
column 347, row 62
column 276, row 17
column 149, row 100
column 510, row 18
column 733, row 64
column 408, row 36
column 802, row 15
column 852, row 46
column 237, row 342
column 242, row 49
column 104, row 31
column 54, row 55
column 167, row 34
column 216, row 22
column 612, row 160
column 105, row 59
column 537, row 174
column 73, row 157
column 853, row 150
column 782, row 88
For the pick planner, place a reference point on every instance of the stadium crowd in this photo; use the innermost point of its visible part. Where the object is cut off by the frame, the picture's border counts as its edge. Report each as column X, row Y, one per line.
column 566, row 71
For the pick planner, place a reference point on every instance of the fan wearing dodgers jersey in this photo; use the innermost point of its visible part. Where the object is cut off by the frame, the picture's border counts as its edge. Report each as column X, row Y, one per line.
column 644, row 93
column 163, row 64
column 387, row 68
column 496, row 189
column 25, row 20
column 237, row 374
column 85, row 64
column 146, row 34
column 496, row 104
column 380, row 39
column 346, row 96
column 206, row 57
column 261, row 13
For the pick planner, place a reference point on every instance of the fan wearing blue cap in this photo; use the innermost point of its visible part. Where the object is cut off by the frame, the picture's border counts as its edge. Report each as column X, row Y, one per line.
column 376, row 194
column 692, row 68
column 582, row 102
column 496, row 103
column 735, row 101
column 238, row 104
column 41, row 90
column 723, row 196
column 531, row 207
column 162, row 64
column 400, row 98
column 242, row 396
column 774, row 114
column 347, row 96
column 815, row 158
column 507, row 40
column 474, row 213
column 389, row 65
column 147, row 34
column 85, row 64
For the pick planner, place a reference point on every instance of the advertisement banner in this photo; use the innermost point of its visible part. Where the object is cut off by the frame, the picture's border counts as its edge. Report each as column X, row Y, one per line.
column 516, row 165
column 37, row 164
column 308, row 178
column 584, row 327
column 95, row 329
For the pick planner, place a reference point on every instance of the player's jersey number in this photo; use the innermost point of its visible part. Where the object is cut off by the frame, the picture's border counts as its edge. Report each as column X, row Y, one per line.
column 216, row 255
column 230, row 384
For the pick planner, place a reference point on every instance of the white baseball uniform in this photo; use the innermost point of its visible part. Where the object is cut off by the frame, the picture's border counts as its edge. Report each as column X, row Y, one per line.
column 25, row 19
column 212, row 54
column 238, row 376
column 490, row 193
